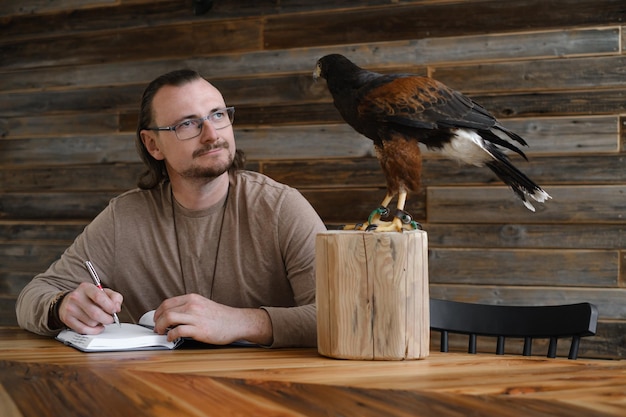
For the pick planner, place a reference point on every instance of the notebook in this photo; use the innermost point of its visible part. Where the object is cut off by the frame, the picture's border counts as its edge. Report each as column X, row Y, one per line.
column 115, row 338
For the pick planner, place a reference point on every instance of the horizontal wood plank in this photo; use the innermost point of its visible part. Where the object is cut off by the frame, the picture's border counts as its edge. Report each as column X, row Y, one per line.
column 29, row 257
column 69, row 150
column 567, row 135
column 608, row 341
column 532, row 118
column 56, row 103
column 331, row 205
column 181, row 40
column 461, row 235
column 26, row 7
column 431, row 20
column 540, row 267
column 297, row 142
column 493, row 204
column 59, row 205
column 7, row 311
column 602, row 169
column 514, row 78
column 65, row 125
column 545, row 135
column 608, row 300
column 366, row 171
column 354, row 205
column 76, row 16
column 550, row 136
column 507, row 235
column 542, row 75
column 502, row 106
column 401, row 56
column 72, row 178
column 40, row 231
column 565, row 103
column 576, row 204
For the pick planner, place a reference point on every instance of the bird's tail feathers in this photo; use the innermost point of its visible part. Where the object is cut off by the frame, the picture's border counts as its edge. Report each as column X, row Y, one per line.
column 521, row 185
column 517, row 138
column 493, row 138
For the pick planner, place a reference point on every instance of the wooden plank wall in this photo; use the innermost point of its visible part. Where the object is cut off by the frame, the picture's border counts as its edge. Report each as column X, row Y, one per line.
column 72, row 71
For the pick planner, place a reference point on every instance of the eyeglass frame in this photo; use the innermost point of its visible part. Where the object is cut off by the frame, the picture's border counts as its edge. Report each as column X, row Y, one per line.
column 230, row 111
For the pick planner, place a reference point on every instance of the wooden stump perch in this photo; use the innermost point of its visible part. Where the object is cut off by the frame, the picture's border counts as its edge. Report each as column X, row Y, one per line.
column 372, row 295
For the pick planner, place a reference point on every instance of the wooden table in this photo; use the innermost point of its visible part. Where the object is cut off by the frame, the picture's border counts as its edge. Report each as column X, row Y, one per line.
column 42, row 377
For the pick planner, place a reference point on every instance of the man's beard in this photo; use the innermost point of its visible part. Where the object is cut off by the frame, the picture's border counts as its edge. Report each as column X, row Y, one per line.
column 212, row 171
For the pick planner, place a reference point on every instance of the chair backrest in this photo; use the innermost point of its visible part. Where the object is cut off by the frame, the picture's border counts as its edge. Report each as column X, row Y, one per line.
column 527, row 322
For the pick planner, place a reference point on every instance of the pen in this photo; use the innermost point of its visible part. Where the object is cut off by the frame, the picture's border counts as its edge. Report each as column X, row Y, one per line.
column 96, row 280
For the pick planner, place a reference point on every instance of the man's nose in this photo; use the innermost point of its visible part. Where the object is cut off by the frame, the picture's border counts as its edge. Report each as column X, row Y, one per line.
column 209, row 133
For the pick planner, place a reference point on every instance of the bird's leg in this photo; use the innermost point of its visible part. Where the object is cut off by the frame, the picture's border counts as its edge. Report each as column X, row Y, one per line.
column 381, row 211
column 401, row 220
column 374, row 218
column 404, row 218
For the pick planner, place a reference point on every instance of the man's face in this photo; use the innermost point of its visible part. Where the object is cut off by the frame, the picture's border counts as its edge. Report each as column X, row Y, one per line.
column 204, row 157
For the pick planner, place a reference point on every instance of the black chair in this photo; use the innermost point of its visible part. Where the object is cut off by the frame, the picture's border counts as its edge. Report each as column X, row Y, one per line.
column 547, row 322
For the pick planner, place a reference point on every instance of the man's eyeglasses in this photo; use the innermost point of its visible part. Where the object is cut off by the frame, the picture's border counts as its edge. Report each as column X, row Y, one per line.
column 191, row 128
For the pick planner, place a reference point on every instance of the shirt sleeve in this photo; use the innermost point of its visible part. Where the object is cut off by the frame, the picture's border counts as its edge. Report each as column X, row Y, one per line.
column 36, row 298
column 297, row 230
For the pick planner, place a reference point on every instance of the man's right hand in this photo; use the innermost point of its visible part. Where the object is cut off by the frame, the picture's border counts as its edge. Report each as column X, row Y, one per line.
column 87, row 309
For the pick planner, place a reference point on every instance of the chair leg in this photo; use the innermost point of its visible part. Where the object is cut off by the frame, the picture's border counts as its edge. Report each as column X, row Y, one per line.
column 472, row 344
column 573, row 349
column 500, row 346
column 444, row 341
column 528, row 346
column 552, row 347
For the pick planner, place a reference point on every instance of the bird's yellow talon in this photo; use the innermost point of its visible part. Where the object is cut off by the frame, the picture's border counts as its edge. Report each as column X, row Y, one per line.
column 376, row 215
column 415, row 225
column 357, row 226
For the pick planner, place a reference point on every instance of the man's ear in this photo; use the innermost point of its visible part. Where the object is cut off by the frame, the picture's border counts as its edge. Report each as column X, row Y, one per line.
column 149, row 141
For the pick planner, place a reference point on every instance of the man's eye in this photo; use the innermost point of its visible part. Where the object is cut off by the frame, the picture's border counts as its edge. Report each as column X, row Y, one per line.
column 218, row 115
column 186, row 124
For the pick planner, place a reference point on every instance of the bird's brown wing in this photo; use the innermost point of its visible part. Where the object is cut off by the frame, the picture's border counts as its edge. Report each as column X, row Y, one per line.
column 422, row 102
column 414, row 105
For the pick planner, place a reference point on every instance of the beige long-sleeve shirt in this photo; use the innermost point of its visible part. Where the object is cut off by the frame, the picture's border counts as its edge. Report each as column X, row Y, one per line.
column 148, row 248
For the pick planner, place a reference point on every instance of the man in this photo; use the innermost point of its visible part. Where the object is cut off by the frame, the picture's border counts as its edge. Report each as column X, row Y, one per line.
column 221, row 253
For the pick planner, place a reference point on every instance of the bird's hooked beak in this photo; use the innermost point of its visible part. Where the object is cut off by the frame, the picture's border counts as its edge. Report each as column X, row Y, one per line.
column 317, row 72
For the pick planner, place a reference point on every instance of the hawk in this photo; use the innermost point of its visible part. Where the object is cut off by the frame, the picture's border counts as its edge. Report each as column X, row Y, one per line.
column 400, row 111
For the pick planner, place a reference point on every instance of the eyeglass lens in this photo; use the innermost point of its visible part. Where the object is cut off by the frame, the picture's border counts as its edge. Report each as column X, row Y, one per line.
column 191, row 128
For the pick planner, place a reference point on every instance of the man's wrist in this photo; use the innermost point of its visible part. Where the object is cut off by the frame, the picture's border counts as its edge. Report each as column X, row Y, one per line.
column 261, row 324
column 54, row 320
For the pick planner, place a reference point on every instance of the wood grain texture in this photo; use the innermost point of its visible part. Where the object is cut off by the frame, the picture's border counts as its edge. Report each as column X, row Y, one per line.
column 372, row 295
column 578, row 204
column 565, row 268
column 607, row 300
column 43, row 377
column 406, row 55
column 353, row 26
column 42, row 7
column 180, row 40
column 58, row 205
column 544, row 75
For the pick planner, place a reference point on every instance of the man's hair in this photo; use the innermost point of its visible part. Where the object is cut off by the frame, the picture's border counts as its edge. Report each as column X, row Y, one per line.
column 155, row 169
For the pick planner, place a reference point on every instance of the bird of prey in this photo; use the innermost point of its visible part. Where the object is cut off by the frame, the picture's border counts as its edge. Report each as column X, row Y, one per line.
column 399, row 111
